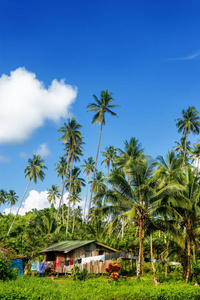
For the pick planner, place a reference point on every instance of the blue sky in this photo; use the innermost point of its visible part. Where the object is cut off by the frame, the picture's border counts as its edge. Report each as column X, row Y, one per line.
column 147, row 53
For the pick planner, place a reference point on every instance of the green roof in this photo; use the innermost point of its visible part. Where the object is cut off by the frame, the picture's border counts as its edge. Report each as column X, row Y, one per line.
column 67, row 246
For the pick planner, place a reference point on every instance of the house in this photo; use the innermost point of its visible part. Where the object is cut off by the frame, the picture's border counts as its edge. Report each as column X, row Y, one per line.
column 86, row 254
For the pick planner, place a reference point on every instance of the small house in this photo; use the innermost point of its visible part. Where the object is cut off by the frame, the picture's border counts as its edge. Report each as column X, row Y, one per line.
column 63, row 256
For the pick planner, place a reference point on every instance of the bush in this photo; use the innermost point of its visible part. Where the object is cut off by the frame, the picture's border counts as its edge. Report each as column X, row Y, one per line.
column 5, row 271
column 80, row 275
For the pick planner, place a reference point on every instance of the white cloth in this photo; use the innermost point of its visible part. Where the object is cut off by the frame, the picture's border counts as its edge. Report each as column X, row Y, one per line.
column 174, row 263
column 91, row 258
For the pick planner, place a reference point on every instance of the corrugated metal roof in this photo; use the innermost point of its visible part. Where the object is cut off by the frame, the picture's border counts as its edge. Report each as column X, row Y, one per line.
column 67, row 246
column 108, row 247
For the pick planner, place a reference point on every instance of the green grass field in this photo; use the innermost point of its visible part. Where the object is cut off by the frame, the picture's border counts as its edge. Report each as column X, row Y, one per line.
column 94, row 288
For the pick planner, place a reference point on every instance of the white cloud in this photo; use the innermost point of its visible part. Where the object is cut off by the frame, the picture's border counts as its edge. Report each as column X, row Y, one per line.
column 36, row 200
column 189, row 57
column 4, row 159
column 42, row 150
column 25, row 104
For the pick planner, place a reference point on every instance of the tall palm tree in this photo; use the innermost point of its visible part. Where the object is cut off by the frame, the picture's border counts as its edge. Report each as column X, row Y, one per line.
column 61, row 171
column 110, row 156
column 32, row 172
column 88, row 167
column 101, row 106
column 76, row 186
column 133, row 152
column 53, row 193
column 75, row 152
column 191, row 213
column 73, row 137
column 134, row 196
column 188, row 123
column 181, row 146
column 99, row 185
column 12, row 198
column 3, row 194
column 168, row 169
column 195, row 151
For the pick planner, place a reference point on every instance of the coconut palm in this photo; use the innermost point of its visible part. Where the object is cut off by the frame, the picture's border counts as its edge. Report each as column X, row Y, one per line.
column 75, row 151
column 168, row 169
column 32, row 172
column 133, row 152
column 76, row 183
column 88, row 167
column 73, row 137
column 191, row 213
column 195, row 151
column 3, row 194
column 133, row 196
column 110, row 156
column 181, row 146
column 11, row 198
column 102, row 106
column 53, row 193
column 188, row 123
column 61, row 171
column 99, row 184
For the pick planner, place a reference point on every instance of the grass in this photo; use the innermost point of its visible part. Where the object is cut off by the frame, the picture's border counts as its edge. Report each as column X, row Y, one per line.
column 95, row 288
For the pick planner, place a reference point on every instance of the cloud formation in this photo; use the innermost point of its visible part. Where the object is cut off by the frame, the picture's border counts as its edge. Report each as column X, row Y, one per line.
column 4, row 159
column 189, row 57
column 43, row 150
column 26, row 104
column 36, row 200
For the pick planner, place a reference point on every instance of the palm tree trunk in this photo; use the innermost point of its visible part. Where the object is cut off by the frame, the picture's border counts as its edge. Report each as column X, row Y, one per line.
column 185, row 149
column 94, row 174
column 106, row 184
column 152, row 260
column 19, row 207
column 73, row 218
column 188, row 271
column 61, row 198
column 122, row 228
column 140, row 248
column 167, row 259
column 70, row 184
column 85, row 199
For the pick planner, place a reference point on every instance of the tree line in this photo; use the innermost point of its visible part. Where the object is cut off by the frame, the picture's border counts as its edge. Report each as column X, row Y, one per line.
column 141, row 205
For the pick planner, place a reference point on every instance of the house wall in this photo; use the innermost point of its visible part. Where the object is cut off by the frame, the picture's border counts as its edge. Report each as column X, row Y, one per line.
column 91, row 249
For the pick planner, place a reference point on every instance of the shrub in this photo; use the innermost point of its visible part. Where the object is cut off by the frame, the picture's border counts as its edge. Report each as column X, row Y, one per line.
column 5, row 271
column 113, row 267
column 80, row 275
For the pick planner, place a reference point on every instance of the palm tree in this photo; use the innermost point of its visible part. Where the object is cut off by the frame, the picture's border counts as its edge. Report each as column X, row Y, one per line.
column 33, row 171
column 191, row 213
column 12, row 198
column 73, row 137
column 75, row 153
column 61, row 171
column 168, row 169
column 196, row 153
column 76, row 183
column 88, row 167
column 99, row 184
column 3, row 194
column 188, row 123
column 133, row 196
column 181, row 146
column 101, row 106
column 110, row 156
column 53, row 193
column 133, row 152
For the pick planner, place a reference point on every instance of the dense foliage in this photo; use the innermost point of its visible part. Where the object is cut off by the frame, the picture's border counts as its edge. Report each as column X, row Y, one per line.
column 150, row 208
column 93, row 289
